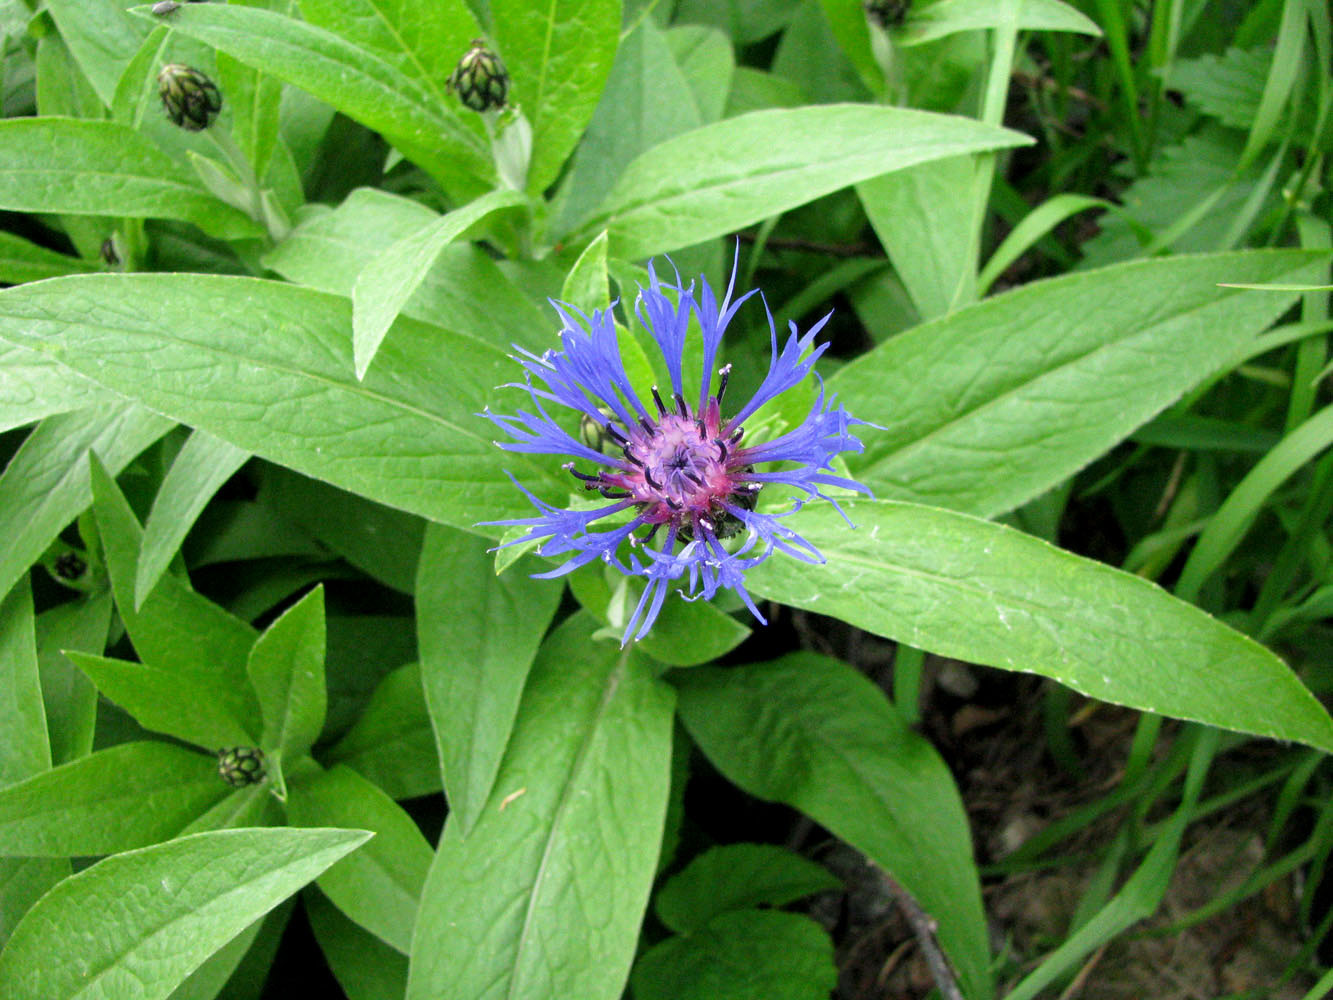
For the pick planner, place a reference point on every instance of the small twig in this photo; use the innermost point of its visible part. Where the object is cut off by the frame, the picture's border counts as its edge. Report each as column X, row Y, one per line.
column 1076, row 986
column 923, row 926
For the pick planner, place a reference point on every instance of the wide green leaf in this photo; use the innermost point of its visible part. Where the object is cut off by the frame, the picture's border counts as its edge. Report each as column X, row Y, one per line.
column 929, row 21
column 811, row 732
column 747, row 955
column 70, row 698
column 986, row 408
column 478, row 634
column 175, row 628
column 545, row 896
column 199, row 470
column 45, row 485
column 392, row 743
column 379, row 886
column 982, row 592
column 329, row 249
column 33, row 386
column 737, row 877
column 103, row 168
column 365, row 967
column 268, row 367
column 22, row 261
column 286, row 668
column 196, row 706
column 389, row 278
column 137, row 924
column 360, row 82
column 716, row 179
column 116, row 799
column 558, row 53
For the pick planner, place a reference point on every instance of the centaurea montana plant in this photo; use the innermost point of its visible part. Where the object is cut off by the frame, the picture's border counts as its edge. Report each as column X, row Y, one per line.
column 682, row 467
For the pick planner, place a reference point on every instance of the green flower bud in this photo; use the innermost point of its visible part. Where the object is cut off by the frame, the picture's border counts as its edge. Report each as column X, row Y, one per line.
column 191, row 99
column 595, row 435
column 241, row 766
column 480, row 78
column 69, row 566
column 887, row 13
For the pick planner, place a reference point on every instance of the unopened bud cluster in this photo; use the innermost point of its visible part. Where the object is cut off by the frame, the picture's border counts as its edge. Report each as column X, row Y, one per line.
column 887, row 13
column 241, row 766
column 480, row 79
column 191, row 99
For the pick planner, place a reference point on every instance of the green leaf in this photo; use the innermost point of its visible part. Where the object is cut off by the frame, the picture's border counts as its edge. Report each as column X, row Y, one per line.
column 102, row 37
column 190, row 704
column 992, row 405
column 423, row 39
column 104, row 168
column 175, row 628
column 287, row 670
column 1228, row 87
column 33, row 386
column 647, row 99
column 392, row 743
column 26, row 748
column 365, row 967
column 328, row 249
column 116, row 799
column 545, row 896
column 750, row 955
column 945, row 17
column 478, row 635
column 737, row 877
column 23, row 881
column 923, row 217
column 359, row 82
column 985, row 593
column 70, row 698
column 199, row 470
column 22, row 261
column 139, row 923
column 718, row 178
column 45, row 485
column 559, row 53
column 267, row 366
column 706, row 58
column 390, row 278
column 379, row 886
column 811, row 732
column 381, row 542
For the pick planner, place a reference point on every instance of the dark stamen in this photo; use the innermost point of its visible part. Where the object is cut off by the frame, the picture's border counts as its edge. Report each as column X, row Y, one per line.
column 735, row 439
column 723, row 374
column 569, row 467
column 651, row 535
column 721, row 450
column 692, row 477
column 657, row 398
column 651, row 481
column 611, row 494
column 682, row 407
column 648, row 428
column 611, row 430
column 631, row 457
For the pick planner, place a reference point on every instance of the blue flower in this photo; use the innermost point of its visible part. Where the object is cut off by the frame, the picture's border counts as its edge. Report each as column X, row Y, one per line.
column 679, row 475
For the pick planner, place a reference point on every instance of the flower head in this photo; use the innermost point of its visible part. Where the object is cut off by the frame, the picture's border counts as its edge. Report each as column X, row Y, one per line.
column 191, row 99
column 480, row 78
column 682, row 480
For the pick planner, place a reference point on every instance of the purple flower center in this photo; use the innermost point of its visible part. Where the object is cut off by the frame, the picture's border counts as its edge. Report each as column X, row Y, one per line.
column 682, row 469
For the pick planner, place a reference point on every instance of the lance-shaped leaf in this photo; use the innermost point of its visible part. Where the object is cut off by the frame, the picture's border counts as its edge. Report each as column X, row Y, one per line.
column 545, row 896
column 813, row 733
column 268, row 367
column 138, row 923
column 962, row 587
column 116, row 799
column 559, row 53
column 944, row 17
column 478, row 634
column 22, row 261
column 82, row 167
column 379, row 887
column 33, row 386
column 45, row 485
column 715, row 179
column 390, row 278
column 994, row 404
column 287, row 670
column 199, row 470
